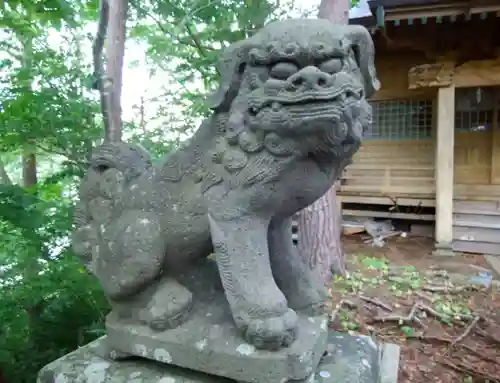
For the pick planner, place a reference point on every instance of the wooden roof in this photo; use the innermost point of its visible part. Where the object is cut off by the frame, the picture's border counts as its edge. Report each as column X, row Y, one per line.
column 411, row 12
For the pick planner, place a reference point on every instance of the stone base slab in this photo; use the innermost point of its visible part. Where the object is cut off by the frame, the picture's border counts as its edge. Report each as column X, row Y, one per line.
column 350, row 359
column 210, row 342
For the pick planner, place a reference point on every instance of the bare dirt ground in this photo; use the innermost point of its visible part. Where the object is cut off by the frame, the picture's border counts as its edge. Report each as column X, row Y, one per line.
column 447, row 325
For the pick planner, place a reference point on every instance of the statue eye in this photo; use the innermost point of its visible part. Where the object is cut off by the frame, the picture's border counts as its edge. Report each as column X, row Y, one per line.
column 283, row 70
column 331, row 66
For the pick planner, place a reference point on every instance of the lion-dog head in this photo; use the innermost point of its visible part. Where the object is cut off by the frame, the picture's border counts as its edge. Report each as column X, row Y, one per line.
column 304, row 81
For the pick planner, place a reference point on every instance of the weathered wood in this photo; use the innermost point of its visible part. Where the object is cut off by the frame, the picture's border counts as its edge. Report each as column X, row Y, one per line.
column 495, row 149
column 388, row 214
column 386, row 200
column 431, row 75
column 445, row 165
column 471, row 74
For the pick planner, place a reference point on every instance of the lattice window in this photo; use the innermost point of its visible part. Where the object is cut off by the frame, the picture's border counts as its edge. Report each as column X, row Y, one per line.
column 401, row 120
column 475, row 109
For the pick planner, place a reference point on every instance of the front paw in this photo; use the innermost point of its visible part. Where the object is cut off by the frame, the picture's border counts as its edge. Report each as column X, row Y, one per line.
column 274, row 332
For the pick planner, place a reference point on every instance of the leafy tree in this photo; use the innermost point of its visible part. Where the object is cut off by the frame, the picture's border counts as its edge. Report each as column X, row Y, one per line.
column 47, row 125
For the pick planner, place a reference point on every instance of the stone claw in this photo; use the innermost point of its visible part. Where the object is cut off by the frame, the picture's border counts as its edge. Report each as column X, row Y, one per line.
column 168, row 307
column 272, row 333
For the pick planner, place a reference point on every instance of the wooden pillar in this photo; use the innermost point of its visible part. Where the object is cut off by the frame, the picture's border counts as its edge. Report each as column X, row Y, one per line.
column 495, row 145
column 445, row 134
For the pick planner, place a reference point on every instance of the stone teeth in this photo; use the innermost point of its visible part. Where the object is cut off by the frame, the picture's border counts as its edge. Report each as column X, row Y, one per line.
column 276, row 106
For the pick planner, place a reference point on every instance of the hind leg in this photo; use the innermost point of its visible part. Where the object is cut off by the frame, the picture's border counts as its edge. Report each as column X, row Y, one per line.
column 132, row 273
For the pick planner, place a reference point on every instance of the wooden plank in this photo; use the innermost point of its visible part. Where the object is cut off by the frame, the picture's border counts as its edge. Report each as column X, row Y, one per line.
column 381, row 200
column 387, row 214
column 392, row 166
column 482, row 207
column 348, row 230
column 477, row 192
column 375, row 178
column 476, row 247
column 445, row 164
column 391, row 190
column 477, row 224
column 470, row 219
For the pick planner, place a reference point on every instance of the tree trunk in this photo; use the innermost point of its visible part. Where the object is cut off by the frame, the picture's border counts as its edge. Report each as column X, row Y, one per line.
column 320, row 224
column 112, row 22
column 337, row 11
column 115, row 53
column 30, row 178
column 4, row 176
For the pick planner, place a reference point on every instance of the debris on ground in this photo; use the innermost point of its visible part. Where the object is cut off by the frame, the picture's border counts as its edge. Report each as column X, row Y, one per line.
column 445, row 315
column 380, row 231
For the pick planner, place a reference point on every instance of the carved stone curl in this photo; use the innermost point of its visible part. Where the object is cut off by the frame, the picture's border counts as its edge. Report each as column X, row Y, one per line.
column 287, row 117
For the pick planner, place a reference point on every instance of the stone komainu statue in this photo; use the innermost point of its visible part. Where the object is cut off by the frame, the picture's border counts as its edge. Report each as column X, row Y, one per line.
column 288, row 115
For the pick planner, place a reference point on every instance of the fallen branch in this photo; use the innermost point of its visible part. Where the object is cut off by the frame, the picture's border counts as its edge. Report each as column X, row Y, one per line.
column 410, row 318
column 443, row 318
column 437, row 273
column 449, row 341
column 381, row 237
column 464, row 368
column 467, row 331
column 488, row 335
column 424, row 296
column 338, row 307
column 376, row 302
column 479, row 354
column 447, row 289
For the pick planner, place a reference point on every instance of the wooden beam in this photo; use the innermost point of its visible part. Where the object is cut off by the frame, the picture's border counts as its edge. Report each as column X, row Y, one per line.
column 437, row 10
column 445, row 165
column 431, row 75
column 415, row 202
column 474, row 73
column 388, row 214
column 477, row 73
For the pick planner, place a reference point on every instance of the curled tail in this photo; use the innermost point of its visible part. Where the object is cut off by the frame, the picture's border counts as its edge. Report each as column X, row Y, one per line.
column 112, row 167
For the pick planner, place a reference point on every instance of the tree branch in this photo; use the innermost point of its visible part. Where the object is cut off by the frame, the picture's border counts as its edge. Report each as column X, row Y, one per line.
column 194, row 44
column 198, row 44
column 97, row 49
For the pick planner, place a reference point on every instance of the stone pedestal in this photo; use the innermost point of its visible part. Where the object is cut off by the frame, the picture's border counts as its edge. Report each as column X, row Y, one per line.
column 443, row 249
column 209, row 342
column 350, row 359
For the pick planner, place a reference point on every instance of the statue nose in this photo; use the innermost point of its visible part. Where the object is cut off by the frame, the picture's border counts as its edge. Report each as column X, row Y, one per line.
column 310, row 78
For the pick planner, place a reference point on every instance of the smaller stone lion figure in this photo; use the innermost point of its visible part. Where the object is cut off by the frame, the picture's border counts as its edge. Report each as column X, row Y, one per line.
column 288, row 115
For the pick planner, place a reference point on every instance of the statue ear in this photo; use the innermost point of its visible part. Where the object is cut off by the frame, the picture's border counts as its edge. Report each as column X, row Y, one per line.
column 231, row 68
column 364, row 49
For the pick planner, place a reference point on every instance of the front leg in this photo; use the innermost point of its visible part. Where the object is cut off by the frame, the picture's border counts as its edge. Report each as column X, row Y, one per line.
column 301, row 285
column 258, row 306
